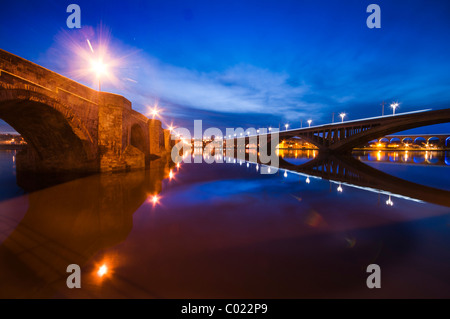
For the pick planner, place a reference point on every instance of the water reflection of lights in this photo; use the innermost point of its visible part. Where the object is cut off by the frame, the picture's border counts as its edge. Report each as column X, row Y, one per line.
column 154, row 199
column 257, row 167
column 389, row 202
column 103, row 270
column 285, row 174
column 248, row 164
column 339, row 189
column 170, row 174
column 369, row 189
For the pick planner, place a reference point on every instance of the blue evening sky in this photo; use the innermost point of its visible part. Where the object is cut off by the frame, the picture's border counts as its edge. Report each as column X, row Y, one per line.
column 247, row 63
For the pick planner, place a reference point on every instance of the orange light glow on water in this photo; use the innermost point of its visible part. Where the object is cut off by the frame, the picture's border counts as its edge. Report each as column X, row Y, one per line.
column 171, row 174
column 103, row 270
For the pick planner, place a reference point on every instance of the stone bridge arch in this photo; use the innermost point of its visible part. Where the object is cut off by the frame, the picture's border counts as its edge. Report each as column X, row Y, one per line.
column 138, row 138
column 56, row 137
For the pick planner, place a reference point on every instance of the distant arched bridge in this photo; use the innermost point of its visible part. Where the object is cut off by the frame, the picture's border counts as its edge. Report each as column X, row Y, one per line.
column 436, row 139
column 70, row 127
column 342, row 137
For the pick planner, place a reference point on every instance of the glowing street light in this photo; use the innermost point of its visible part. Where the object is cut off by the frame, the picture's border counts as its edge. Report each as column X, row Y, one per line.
column 99, row 68
column 394, row 106
column 155, row 112
column 286, row 126
column 309, row 123
column 270, row 129
column 342, row 115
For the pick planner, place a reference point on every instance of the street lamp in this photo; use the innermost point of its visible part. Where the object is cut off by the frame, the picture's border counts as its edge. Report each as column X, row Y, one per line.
column 286, row 126
column 342, row 115
column 99, row 68
column 154, row 112
column 309, row 123
column 394, row 106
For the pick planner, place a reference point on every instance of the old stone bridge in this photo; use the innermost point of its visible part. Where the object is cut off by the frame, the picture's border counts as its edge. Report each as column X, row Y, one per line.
column 70, row 127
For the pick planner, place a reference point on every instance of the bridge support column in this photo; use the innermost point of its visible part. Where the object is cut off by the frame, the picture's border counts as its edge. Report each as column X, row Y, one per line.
column 156, row 137
column 110, row 137
column 167, row 141
column 113, row 155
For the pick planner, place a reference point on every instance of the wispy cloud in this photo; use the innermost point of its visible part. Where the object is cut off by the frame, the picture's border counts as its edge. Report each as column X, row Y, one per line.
column 240, row 89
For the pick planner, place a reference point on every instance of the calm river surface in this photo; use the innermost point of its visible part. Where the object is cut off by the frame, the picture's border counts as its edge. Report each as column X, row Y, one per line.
column 227, row 231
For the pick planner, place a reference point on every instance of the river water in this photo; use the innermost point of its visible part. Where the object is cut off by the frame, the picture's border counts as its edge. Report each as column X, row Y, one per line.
column 227, row 231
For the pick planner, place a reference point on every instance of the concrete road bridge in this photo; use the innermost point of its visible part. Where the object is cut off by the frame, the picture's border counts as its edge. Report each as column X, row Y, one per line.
column 342, row 137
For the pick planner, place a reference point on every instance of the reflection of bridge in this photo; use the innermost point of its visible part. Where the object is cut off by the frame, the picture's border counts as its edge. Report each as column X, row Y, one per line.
column 342, row 137
column 433, row 158
column 70, row 127
column 350, row 171
column 69, row 224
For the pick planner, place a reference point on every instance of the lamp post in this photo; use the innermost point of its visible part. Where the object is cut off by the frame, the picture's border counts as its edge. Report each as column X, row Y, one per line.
column 99, row 68
column 154, row 112
column 286, row 126
column 394, row 106
column 309, row 123
column 342, row 115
